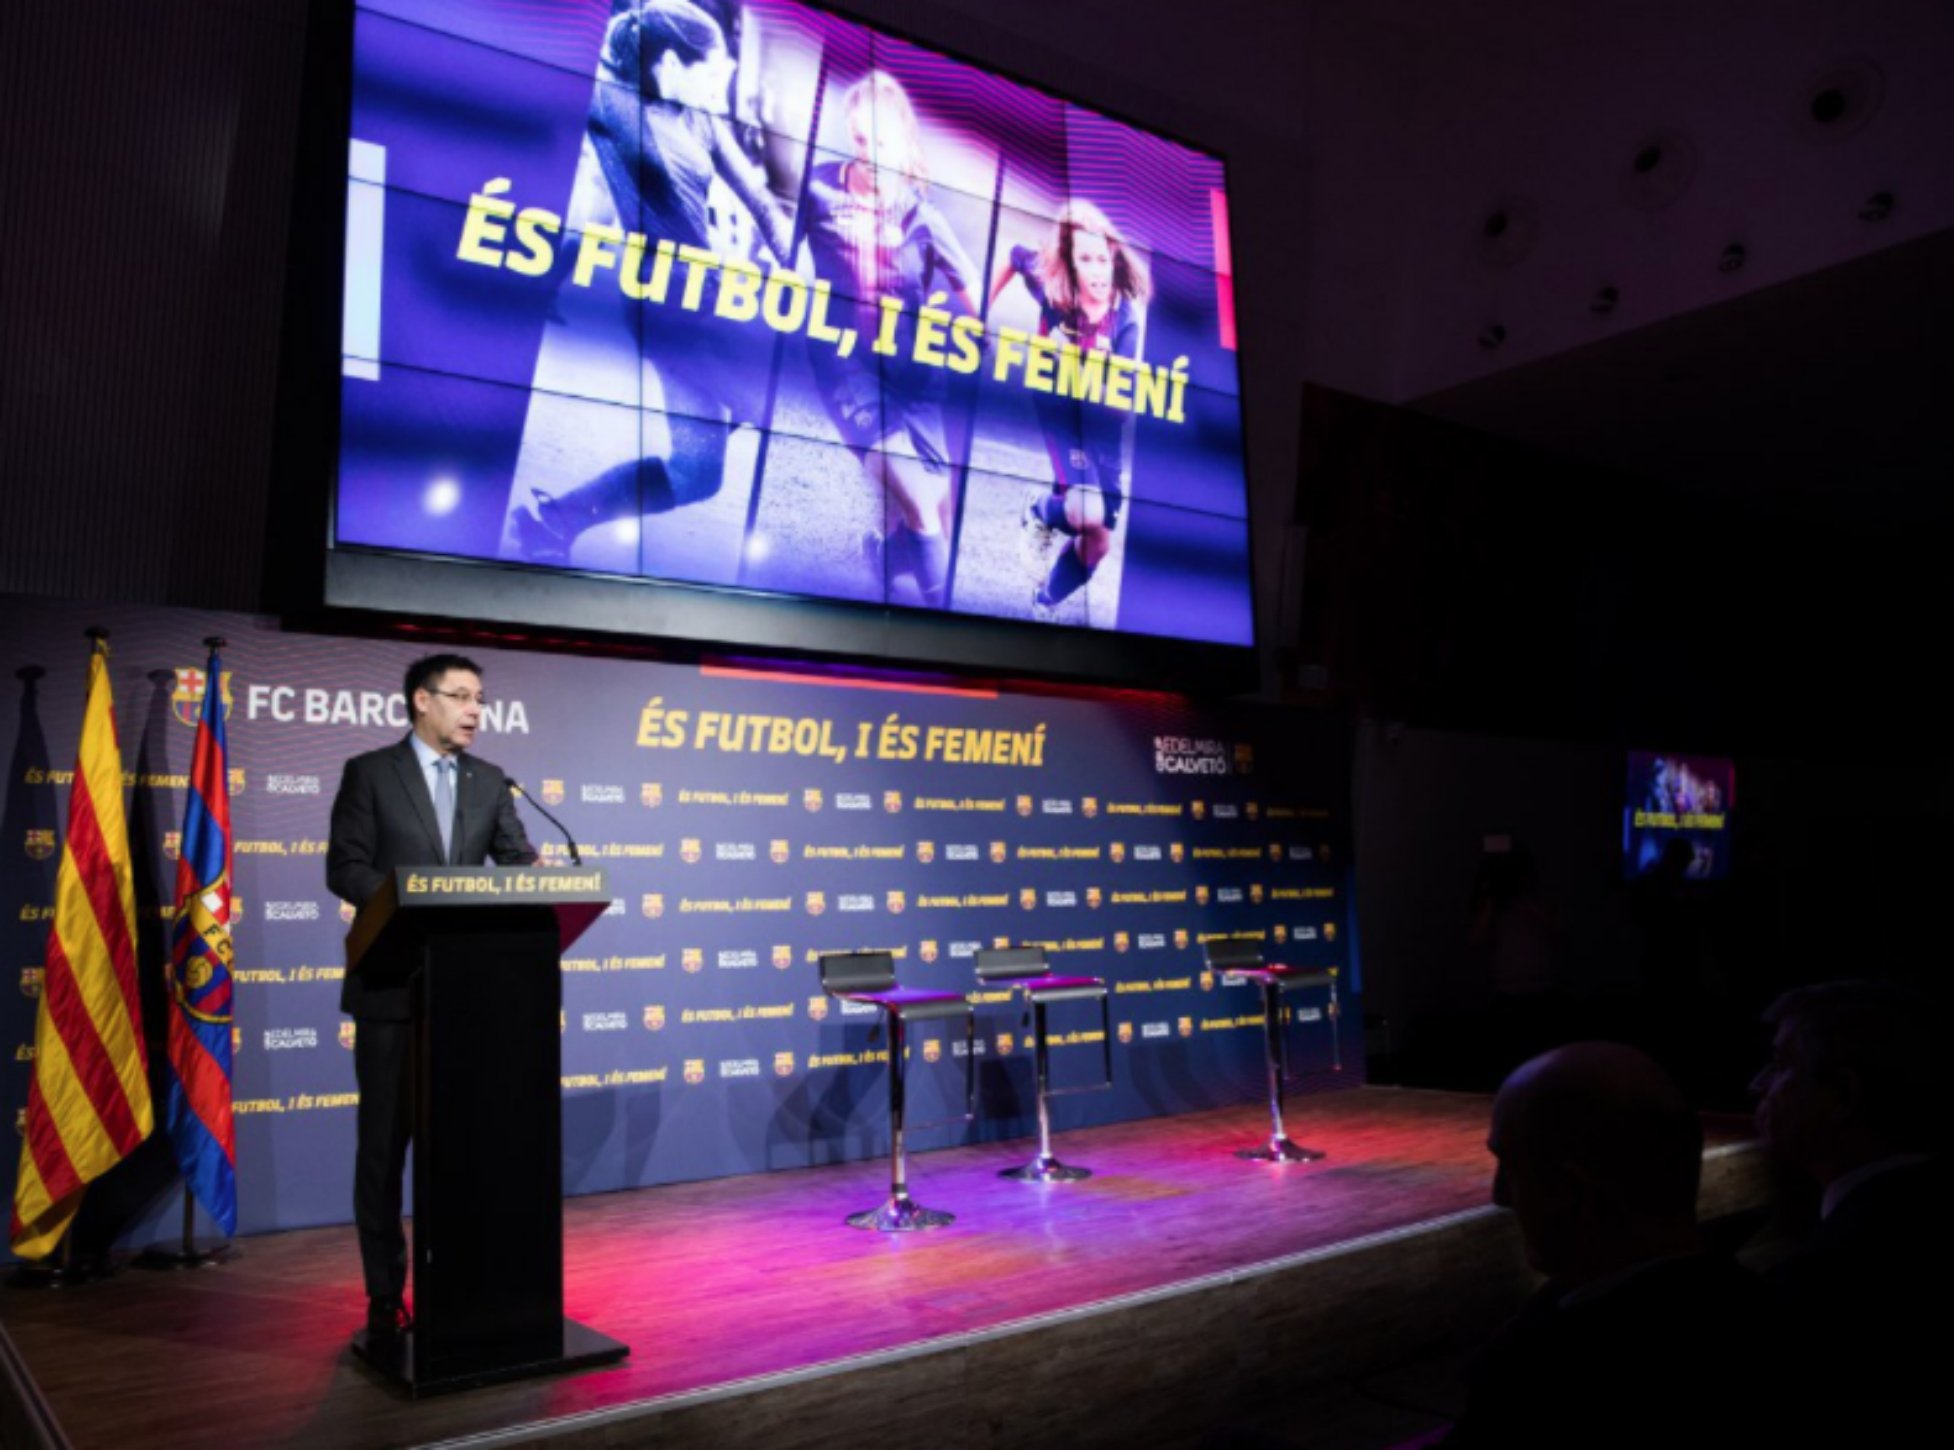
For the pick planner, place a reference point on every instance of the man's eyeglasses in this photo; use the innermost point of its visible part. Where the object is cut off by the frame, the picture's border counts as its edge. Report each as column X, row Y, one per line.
column 462, row 697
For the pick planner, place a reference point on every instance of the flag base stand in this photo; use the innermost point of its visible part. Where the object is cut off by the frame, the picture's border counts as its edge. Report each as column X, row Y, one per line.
column 71, row 1275
column 189, row 1254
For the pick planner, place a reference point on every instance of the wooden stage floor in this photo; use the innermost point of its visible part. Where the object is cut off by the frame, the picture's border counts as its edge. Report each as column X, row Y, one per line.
column 728, row 1287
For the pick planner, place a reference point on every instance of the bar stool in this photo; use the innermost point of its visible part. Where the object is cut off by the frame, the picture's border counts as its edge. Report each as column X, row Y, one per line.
column 871, row 977
column 1241, row 961
column 1025, row 970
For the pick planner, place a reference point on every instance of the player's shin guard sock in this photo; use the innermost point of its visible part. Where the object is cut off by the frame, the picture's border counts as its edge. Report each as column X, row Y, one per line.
column 931, row 553
column 1051, row 512
column 1068, row 573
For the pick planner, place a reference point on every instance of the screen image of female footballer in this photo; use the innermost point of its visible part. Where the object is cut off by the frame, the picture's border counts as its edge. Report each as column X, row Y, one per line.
column 873, row 232
column 1091, row 289
column 665, row 161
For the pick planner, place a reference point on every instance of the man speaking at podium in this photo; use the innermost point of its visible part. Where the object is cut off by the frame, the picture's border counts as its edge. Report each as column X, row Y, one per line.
column 421, row 802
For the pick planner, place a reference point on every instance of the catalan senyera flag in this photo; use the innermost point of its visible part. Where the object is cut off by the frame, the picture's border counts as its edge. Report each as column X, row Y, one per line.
column 88, row 1102
column 198, row 1108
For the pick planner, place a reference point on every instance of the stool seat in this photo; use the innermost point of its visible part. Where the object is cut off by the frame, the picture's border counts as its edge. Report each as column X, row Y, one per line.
column 915, row 1003
column 1061, row 989
column 1277, row 974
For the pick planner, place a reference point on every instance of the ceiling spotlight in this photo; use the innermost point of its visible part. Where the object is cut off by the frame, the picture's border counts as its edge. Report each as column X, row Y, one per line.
column 1604, row 300
column 1841, row 101
column 1878, row 207
column 1733, row 258
column 1492, row 336
column 1660, row 169
column 1507, row 232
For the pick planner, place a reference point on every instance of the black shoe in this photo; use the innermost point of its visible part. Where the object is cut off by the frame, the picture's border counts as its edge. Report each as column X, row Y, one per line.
column 538, row 537
column 387, row 1318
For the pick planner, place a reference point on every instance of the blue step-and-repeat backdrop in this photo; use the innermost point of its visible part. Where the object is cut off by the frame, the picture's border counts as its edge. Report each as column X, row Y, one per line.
column 749, row 819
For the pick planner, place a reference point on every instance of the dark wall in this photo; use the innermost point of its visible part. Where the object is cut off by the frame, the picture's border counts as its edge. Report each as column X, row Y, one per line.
column 1458, row 580
column 144, row 187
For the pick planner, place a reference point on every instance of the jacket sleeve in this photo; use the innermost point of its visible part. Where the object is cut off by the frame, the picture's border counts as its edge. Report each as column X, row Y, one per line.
column 353, row 846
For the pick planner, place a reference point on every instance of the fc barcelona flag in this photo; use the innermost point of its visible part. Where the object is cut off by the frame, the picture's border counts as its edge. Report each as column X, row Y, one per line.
column 199, row 1106
column 88, row 1104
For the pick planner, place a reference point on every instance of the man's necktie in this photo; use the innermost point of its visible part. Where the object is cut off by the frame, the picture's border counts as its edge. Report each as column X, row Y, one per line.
column 444, row 806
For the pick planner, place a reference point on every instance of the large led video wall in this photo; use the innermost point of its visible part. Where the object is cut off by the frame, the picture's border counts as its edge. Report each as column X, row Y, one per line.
column 752, row 296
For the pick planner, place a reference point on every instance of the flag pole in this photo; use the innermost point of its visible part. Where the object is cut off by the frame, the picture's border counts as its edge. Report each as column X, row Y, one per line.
column 192, row 1252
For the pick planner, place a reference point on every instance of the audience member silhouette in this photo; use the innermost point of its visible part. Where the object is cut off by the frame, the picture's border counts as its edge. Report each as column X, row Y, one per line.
column 1638, row 1335
column 1848, row 1101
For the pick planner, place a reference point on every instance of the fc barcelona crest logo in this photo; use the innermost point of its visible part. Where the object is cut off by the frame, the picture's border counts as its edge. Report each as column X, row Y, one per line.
column 817, row 1009
column 236, row 782
column 1180, row 938
column 1000, row 942
column 693, row 959
column 1121, row 941
column 783, row 1064
column 1207, row 981
column 187, row 696
column 1090, row 805
column 651, row 793
column 652, row 904
column 811, row 798
column 1117, row 851
column 1126, row 1032
column 1004, row 1043
column 1255, row 893
column 348, row 1034
column 1323, row 852
column 1176, row 851
column 173, row 845
column 778, row 852
column 927, row 950
column 932, row 1049
column 654, row 1018
column 1281, row 933
column 1245, row 758
column 347, row 912
column 1275, row 850
column 689, row 850
column 817, row 902
column 1329, row 931
column 1093, row 897
column 40, row 844
column 1200, row 810
column 1254, row 811
column 997, row 853
column 552, row 792
column 1028, row 897
column 1187, row 1026
column 30, row 981
column 695, row 1070
column 926, row 851
column 1200, row 896
column 1024, row 805
column 892, row 801
column 783, row 958
column 897, row 901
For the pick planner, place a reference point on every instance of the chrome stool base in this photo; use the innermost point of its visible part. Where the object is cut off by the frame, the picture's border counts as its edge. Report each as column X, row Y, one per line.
column 901, row 1214
column 1045, row 1169
column 1279, row 1150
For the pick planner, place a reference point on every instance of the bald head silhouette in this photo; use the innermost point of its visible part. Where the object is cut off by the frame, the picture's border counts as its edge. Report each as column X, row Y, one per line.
column 1599, row 1155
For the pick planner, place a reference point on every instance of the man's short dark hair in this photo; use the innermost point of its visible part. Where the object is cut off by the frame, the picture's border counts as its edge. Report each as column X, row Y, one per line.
column 1881, row 1033
column 425, row 674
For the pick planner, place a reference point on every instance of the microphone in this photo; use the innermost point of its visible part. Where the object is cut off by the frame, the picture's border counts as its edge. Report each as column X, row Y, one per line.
column 515, row 786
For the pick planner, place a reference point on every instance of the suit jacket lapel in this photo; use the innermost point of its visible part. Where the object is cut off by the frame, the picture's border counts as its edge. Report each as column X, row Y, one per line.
column 414, row 782
column 464, row 787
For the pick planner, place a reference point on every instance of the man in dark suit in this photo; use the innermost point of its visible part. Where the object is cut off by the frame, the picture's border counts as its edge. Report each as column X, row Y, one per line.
column 421, row 802
column 1638, row 1336
column 1850, row 1100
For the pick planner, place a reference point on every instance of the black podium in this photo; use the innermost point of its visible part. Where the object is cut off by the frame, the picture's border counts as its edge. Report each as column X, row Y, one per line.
column 481, row 946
